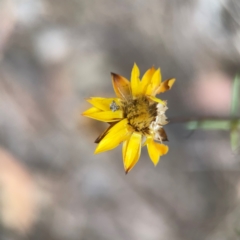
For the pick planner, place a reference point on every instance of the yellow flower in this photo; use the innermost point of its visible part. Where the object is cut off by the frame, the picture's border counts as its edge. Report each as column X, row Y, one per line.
column 136, row 116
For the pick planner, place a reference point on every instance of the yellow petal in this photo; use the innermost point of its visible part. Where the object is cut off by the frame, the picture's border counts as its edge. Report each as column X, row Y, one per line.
column 146, row 79
column 121, row 86
column 166, row 85
column 103, row 103
column 117, row 134
column 105, row 116
column 123, row 124
column 157, row 100
column 155, row 83
column 131, row 151
column 135, row 81
column 155, row 150
column 90, row 111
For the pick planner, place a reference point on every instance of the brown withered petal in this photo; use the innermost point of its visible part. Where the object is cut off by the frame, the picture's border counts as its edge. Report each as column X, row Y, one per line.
column 163, row 134
column 166, row 85
column 121, row 86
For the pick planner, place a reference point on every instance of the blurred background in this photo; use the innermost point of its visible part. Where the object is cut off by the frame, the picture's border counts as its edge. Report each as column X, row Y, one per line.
column 54, row 54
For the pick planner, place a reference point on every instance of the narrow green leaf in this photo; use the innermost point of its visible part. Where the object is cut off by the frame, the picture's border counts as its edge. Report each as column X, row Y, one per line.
column 235, row 95
column 234, row 134
column 234, row 140
column 209, row 125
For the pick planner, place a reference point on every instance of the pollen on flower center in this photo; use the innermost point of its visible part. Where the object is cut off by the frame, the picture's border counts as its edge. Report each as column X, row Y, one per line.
column 140, row 113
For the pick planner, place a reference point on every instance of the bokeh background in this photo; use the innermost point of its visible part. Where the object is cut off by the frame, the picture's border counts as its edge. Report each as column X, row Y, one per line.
column 54, row 54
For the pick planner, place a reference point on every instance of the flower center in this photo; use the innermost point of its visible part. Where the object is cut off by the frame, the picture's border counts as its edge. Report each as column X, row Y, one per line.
column 140, row 113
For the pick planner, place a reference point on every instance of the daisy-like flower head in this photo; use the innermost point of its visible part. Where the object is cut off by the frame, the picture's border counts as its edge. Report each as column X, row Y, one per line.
column 136, row 116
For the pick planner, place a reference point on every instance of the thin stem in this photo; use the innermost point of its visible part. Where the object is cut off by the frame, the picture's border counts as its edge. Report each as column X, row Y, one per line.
column 201, row 119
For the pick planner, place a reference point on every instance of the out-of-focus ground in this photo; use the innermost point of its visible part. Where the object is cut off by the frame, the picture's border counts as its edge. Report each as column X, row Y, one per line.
column 54, row 54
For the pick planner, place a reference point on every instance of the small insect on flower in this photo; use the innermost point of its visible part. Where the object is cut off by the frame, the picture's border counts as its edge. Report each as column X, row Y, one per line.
column 136, row 116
